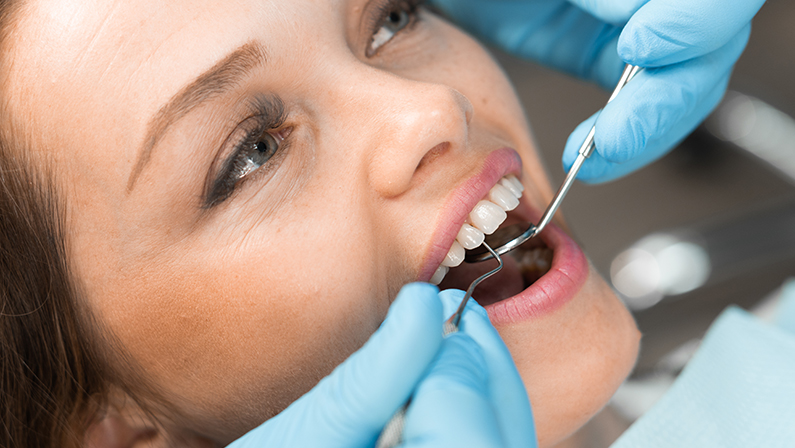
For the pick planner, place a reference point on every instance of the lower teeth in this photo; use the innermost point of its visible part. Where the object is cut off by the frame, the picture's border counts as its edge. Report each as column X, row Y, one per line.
column 533, row 263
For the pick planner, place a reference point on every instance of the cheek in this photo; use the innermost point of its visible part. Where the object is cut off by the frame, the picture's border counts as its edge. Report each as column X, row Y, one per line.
column 573, row 360
column 222, row 339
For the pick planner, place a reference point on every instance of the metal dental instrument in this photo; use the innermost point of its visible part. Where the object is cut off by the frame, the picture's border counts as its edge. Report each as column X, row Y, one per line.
column 392, row 434
column 507, row 239
column 451, row 324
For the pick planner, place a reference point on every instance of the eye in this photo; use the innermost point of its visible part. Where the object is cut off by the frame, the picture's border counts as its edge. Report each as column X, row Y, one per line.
column 257, row 145
column 253, row 156
column 256, row 152
column 396, row 16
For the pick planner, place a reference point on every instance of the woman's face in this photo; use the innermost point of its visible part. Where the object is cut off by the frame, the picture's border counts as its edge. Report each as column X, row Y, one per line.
column 250, row 183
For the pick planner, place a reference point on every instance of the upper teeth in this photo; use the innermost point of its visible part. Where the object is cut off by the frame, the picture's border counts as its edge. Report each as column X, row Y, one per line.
column 483, row 220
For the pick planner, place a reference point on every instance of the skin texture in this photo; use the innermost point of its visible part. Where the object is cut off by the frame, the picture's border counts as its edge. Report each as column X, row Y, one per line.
column 234, row 311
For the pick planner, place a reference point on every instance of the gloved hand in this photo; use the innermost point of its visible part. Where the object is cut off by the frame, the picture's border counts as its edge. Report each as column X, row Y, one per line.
column 687, row 47
column 466, row 390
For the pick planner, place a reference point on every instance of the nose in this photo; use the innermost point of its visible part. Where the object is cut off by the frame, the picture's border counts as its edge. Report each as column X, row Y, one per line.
column 412, row 123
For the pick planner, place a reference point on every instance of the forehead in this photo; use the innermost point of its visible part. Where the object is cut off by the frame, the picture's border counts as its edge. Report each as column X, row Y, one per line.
column 82, row 35
column 93, row 63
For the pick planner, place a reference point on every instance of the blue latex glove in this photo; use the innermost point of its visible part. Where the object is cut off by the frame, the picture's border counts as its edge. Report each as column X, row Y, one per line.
column 456, row 398
column 688, row 48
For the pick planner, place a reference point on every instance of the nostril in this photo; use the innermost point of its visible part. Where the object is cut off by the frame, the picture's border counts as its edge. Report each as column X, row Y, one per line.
column 433, row 154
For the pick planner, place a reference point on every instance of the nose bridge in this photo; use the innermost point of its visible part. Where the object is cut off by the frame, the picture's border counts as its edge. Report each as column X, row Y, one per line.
column 407, row 121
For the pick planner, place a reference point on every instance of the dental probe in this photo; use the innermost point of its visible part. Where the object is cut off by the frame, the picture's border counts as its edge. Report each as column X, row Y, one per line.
column 392, row 434
column 451, row 324
column 509, row 238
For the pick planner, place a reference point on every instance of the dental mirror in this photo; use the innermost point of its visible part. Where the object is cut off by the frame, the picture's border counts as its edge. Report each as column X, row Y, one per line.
column 501, row 241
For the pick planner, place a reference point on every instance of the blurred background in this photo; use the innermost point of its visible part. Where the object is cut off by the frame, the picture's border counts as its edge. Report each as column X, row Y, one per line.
column 710, row 225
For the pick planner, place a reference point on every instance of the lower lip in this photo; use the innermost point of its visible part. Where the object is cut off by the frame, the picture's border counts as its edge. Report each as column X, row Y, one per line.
column 554, row 289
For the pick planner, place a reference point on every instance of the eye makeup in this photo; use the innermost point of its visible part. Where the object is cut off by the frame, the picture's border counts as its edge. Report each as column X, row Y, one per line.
column 256, row 145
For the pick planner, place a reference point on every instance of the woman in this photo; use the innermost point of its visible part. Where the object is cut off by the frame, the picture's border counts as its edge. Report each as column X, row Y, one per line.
column 236, row 192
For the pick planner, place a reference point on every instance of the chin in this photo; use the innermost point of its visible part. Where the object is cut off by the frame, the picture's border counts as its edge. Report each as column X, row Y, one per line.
column 572, row 360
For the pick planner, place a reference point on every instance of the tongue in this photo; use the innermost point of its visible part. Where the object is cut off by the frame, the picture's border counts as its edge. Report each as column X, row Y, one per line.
column 506, row 283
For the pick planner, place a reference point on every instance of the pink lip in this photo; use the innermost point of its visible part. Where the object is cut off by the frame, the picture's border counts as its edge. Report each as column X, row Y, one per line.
column 462, row 200
column 556, row 288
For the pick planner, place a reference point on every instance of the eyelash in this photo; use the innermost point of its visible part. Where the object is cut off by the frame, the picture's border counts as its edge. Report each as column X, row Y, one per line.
column 382, row 12
column 269, row 116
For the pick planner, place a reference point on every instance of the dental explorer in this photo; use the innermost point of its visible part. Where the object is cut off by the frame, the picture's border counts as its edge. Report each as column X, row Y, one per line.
column 511, row 237
column 392, row 433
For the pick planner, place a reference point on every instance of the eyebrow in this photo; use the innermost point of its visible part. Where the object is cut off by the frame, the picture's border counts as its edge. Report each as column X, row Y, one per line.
column 216, row 81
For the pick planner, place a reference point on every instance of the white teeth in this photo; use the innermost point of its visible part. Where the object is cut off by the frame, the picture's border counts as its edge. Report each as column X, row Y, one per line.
column 487, row 216
column 514, row 186
column 454, row 256
column 470, row 237
column 516, row 182
column 503, row 197
column 438, row 276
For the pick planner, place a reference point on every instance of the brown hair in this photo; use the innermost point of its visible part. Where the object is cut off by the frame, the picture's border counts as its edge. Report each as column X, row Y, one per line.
column 48, row 372
column 51, row 378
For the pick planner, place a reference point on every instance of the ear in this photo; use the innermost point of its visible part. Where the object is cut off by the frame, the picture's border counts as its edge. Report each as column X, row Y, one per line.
column 114, row 429
column 123, row 424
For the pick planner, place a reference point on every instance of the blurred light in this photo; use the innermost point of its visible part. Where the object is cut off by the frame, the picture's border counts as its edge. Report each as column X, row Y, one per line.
column 657, row 266
column 737, row 118
column 636, row 275
column 758, row 128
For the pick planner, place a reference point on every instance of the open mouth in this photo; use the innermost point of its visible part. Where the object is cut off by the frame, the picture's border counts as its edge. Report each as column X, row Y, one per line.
column 537, row 277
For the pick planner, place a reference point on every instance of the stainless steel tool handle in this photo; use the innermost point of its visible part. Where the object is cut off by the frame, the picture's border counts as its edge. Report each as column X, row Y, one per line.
column 585, row 151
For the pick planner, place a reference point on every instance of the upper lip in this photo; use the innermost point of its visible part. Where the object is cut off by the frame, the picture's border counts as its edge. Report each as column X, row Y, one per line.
column 462, row 200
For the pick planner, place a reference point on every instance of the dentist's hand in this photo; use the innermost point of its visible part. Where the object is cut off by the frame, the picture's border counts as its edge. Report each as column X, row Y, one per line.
column 466, row 390
column 687, row 47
